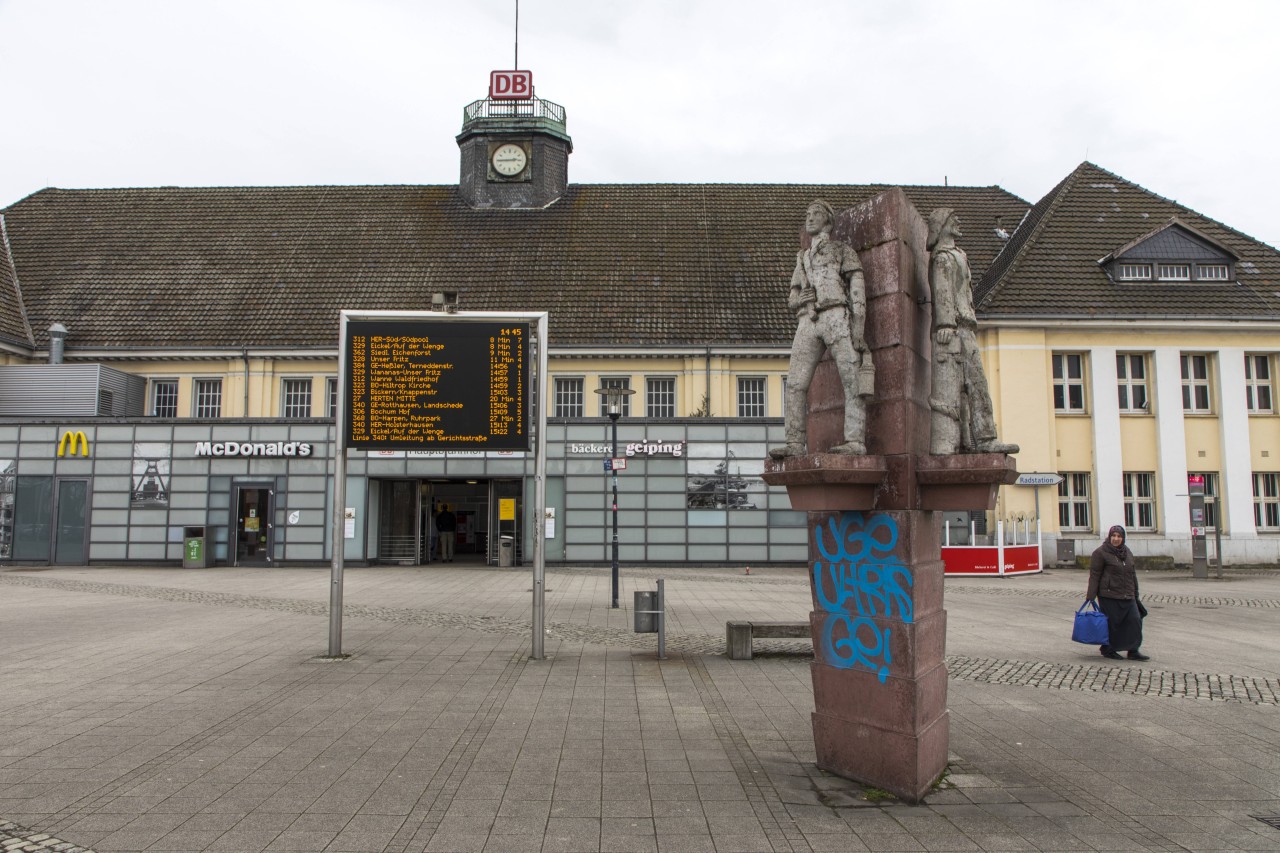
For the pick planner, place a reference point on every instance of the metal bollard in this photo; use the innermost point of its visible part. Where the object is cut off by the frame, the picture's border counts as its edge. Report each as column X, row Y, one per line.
column 649, row 612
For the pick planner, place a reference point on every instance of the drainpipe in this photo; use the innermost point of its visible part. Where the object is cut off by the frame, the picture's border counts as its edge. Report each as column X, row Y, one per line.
column 244, row 353
column 708, row 382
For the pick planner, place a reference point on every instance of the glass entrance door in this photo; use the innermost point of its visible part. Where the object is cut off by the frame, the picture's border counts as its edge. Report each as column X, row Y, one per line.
column 254, row 515
column 398, row 522
column 71, row 545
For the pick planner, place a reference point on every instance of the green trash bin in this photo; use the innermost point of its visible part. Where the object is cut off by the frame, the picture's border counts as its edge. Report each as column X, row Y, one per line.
column 195, row 553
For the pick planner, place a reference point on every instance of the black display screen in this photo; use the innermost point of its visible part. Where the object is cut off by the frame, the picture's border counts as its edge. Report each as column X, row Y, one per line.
column 437, row 384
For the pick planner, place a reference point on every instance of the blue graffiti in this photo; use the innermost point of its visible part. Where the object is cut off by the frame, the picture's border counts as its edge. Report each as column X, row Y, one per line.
column 859, row 568
column 843, row 646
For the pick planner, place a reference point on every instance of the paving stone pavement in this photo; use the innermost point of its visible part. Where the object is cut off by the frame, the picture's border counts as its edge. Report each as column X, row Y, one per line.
column 187, row 710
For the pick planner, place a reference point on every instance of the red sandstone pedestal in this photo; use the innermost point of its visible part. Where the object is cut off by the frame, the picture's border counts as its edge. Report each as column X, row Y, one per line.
column 875, row 560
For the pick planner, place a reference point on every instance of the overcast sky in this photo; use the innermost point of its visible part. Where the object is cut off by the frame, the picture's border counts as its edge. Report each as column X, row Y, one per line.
column 1180, row 97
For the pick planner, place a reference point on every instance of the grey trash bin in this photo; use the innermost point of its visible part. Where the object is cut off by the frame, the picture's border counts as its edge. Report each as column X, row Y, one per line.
column 645, row 607
column 195, row 550
column 506, row 551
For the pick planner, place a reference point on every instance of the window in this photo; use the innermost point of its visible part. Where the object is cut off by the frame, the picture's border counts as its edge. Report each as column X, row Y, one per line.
column 1175, row 272
column 1195, row 383
column 1139, row 501
column 1213, row 272
column 1068, row 381
column 615, row 382
column 1257, row 383
column 331, row 394
column 1135, row 272
column 751, row 397
column 296, row 398
column 1073, row 502
column 164, row 398
column 1266, row 501
column 208, row 398
column 1131, row 373
column 568, row 398
column 1210, row 497
column 660, row 397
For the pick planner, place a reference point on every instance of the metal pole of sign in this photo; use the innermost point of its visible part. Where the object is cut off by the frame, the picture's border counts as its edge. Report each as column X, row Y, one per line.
column 1000, row 547
column 613, row 417
column 540, row 496
column 339, row 498
column 662, row 622
column 339, row 545
column 1217, row 545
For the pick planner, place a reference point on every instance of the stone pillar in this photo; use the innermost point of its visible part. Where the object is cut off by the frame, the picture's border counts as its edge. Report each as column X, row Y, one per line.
column 876, row 573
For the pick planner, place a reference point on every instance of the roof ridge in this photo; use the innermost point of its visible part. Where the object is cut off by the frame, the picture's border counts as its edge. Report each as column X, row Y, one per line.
column 17, row 283
column 994, row 277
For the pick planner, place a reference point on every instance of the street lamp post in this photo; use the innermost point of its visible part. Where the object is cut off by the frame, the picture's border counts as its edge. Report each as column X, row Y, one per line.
column 613, row 397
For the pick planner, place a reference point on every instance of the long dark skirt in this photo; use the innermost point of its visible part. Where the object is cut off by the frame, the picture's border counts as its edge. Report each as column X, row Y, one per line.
column 1124, row 622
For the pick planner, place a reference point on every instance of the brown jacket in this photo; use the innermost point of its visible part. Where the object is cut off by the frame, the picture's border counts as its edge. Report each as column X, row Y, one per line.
column 1111, row 577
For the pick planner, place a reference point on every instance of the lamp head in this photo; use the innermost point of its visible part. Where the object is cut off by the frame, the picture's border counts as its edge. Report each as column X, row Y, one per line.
column 613, row 397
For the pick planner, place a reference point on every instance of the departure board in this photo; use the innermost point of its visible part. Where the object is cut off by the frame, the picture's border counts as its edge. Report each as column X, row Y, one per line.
column 437, row 384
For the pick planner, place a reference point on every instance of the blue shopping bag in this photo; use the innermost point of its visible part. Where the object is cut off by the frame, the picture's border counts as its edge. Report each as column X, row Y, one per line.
column 1091, row 625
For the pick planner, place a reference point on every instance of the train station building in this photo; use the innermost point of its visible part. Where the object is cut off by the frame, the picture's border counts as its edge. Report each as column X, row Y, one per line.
column 169, row 361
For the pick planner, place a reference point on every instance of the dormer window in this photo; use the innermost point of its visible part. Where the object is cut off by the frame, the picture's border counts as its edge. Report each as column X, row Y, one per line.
column 1173, row 253
column 1134, row 272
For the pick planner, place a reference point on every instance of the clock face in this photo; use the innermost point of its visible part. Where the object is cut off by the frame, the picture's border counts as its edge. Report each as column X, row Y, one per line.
column 509, row 159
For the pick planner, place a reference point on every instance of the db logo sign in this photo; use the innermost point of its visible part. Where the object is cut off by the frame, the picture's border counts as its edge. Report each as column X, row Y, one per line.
column 511, row 85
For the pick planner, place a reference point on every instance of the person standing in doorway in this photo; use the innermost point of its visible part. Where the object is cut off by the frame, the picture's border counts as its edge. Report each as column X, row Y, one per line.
column 1113, row 581
column 447, row 527
column 432, row 534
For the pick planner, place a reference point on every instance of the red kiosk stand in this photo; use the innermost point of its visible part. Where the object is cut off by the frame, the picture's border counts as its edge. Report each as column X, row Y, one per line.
column 998, row 559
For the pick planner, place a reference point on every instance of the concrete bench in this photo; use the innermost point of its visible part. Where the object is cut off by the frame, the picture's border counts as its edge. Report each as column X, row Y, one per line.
column 738, row 635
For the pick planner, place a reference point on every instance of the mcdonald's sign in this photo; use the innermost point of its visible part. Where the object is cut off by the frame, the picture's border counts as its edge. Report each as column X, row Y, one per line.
column 71, row 440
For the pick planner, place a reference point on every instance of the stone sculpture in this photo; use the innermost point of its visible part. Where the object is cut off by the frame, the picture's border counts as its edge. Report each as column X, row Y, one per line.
column 962, row 420
column 829, row 299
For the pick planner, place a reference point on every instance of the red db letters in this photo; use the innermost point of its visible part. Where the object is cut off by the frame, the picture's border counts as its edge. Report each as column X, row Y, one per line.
column 511, row 85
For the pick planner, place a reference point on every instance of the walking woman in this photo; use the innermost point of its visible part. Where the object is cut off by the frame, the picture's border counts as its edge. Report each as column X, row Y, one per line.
column 1114, row 583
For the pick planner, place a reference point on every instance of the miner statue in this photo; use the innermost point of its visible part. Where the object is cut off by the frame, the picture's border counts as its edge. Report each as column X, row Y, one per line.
column 829, row 300
column 962, row 420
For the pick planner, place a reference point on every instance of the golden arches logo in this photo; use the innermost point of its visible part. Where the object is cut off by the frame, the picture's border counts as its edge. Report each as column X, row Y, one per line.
column 71, row 440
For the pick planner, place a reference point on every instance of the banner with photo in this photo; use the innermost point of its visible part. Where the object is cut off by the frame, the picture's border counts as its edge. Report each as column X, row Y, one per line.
column 150, row 474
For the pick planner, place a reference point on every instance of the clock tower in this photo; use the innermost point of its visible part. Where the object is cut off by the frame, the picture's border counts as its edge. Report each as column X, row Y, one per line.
column 515, row 151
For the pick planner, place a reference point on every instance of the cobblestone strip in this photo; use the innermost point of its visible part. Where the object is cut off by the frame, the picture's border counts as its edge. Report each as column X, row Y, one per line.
column 1134, row 681
column 1147, row 598
column 19, row 839
column 752, row 774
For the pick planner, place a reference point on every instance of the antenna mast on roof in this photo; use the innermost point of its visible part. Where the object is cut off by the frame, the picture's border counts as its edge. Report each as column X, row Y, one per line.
column 517, row 63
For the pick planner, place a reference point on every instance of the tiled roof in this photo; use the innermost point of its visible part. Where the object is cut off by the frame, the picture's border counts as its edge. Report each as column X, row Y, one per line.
column 1050, row 265
column 614, row 264
column 13, row 323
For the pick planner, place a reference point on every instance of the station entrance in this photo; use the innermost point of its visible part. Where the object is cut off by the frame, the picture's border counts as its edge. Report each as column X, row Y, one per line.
column 405, row 511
